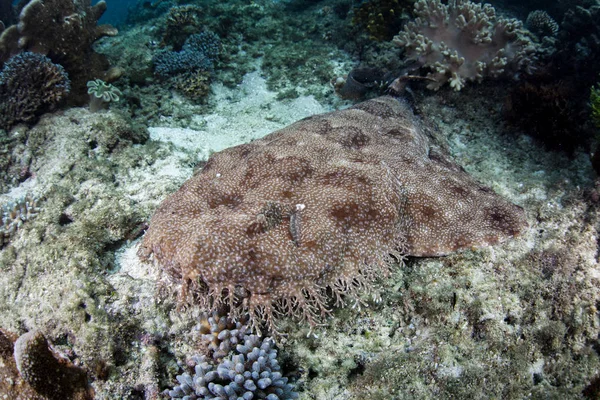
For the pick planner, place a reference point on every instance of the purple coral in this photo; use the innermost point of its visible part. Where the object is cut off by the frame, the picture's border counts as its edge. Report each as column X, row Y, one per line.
column 198, row 53
column 465, row 42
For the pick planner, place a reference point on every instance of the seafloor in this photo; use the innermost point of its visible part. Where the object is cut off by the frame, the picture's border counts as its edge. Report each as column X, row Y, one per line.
column 513, row 321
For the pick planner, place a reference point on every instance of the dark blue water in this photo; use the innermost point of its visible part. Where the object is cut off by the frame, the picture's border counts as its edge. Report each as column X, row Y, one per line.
column 116, row 11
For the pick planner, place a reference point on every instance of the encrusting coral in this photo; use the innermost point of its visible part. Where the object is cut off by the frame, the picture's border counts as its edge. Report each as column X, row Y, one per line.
column 316, row 209
column 465, row 42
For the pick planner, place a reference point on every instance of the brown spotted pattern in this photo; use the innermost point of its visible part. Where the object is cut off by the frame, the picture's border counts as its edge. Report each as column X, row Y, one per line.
column 321, row 205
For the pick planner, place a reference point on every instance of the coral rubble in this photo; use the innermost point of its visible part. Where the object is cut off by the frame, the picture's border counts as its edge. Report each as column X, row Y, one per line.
column 321, row 204
column 465, row 42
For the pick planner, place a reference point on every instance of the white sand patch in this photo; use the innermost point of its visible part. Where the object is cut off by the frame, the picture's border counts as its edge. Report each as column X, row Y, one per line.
column 243, row 114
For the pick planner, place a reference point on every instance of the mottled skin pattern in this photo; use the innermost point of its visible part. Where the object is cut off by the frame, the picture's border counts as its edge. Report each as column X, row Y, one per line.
column 321, row 203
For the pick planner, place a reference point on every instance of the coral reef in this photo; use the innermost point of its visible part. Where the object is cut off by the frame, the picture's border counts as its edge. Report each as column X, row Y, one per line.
column 194, row 85
column 222, row 334
column 30, row 84
column 242, row 366
column 579, row 42
column 63, row 30
column 15, row 214
column 198, row 53
column 541, row 23
column 182, row 22
column 320, row 204
column 382, row 19
column 465, row 42
column 551, row 113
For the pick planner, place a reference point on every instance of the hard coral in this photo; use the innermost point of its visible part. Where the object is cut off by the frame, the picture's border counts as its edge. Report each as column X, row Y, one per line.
column 198, row 53
column 541, row 23
column 64, row 30
column 382, row 18
column 316, row 209
column 182, row 21
column 465, row 42
column 249, row 371
column 30, row 84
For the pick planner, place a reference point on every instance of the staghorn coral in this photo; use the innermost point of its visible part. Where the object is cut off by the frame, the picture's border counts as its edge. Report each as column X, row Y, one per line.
column 465, row 42
column 316, row 209
column 30, row 84
column 63, row 30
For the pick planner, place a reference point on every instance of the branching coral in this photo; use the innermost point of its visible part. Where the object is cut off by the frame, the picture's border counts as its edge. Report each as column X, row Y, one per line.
column 30, row 84
column 465, row 42
column 244, row 366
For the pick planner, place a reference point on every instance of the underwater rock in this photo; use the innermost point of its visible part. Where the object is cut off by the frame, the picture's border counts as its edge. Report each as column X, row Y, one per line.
column 52, row 377
column 30, row 370
column 321, row 204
